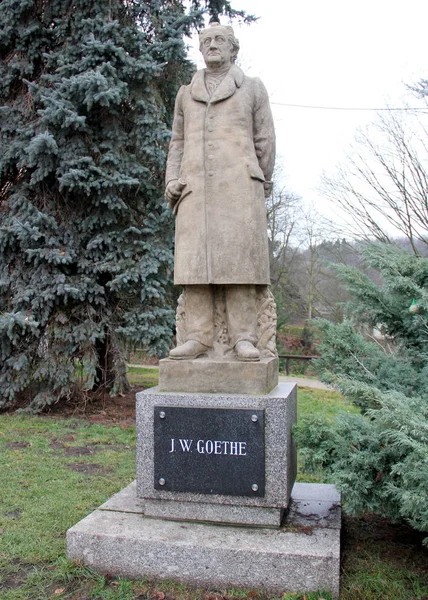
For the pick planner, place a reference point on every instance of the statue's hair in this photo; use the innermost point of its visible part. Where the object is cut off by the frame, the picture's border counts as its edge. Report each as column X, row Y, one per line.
column 234, row 42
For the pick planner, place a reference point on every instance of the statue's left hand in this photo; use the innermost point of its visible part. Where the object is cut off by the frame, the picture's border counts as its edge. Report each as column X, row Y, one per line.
column 268, row 188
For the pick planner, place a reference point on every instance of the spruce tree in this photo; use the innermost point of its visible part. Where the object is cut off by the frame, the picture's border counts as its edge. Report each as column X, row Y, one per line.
column 378, row 459
column 87, row 89
column 82, row 140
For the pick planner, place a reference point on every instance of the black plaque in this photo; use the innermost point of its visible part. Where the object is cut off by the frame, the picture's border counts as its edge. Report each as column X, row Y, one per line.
column 209, row 450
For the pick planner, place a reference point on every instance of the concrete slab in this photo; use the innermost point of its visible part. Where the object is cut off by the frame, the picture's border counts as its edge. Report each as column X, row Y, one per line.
column 125, row 501
column 301, row 556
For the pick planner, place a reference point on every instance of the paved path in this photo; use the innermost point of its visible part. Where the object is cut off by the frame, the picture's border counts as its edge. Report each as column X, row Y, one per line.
column 305, row 382
column 301, row 381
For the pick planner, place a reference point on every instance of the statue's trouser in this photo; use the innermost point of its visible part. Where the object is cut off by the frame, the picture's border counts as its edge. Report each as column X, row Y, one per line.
column 241, row 313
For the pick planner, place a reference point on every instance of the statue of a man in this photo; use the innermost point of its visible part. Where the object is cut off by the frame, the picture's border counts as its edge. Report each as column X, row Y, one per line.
column 220, row 164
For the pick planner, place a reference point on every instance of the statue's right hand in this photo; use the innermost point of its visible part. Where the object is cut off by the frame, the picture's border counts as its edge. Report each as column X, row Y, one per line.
column 173, row 190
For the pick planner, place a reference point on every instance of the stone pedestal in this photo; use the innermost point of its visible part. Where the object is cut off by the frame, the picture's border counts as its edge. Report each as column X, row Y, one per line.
column 233, row 520
column 207, row 375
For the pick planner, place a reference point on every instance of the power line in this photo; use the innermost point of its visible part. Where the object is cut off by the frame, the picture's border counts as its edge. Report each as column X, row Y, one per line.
column 405, row 108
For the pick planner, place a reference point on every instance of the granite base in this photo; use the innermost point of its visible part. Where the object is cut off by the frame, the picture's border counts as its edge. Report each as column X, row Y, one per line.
column 303, row 555
column 279, row 407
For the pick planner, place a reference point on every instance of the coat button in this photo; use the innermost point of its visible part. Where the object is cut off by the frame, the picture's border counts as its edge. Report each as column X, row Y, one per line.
column 210, row 143
column 210, row 128
column 210, row 173
column 210, row 156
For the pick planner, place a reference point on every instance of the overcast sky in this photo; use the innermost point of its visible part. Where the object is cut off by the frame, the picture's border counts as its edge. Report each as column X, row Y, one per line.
column 335, row 53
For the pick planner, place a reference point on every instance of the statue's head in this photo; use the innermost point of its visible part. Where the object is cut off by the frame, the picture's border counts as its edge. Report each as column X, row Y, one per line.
column 218, row 45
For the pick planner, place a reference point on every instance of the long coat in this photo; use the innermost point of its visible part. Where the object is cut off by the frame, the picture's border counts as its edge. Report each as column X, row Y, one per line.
column 223, row 150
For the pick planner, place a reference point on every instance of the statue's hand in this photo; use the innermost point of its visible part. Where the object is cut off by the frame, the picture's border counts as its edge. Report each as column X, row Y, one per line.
column 268, row 188
column 173, row 191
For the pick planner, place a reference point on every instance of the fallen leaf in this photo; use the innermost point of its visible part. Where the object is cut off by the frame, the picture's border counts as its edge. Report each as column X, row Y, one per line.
column 59, row 591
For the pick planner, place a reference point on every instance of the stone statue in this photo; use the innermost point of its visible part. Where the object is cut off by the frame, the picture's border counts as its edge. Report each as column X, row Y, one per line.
column 220, row 164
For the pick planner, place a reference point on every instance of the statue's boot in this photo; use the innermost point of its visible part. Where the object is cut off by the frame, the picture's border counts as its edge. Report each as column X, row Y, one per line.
column 189, row 350
column 246, row 351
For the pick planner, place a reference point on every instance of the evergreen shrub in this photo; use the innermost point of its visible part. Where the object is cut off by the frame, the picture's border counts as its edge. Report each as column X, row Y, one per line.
column 379, row 459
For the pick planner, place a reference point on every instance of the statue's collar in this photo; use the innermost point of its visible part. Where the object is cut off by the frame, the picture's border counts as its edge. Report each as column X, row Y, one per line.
column 226, row 88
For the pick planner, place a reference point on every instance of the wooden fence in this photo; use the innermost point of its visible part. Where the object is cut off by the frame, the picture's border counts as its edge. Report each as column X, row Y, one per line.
column 289, row 357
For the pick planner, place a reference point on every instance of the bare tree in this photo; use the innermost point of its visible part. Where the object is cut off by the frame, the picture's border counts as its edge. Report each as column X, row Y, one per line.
column 383, row 185
column 284, row 210
column 303, row 246
column 319, row 288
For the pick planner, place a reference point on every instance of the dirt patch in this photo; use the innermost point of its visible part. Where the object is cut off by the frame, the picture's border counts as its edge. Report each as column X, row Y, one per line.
column 17, row 445
column 108, row 446
column 398, row 544
column 79, row 451
column 102, row 409
column 14, row 514
column 89, row 468
column 87, row 450
column 56, row 444
column 16, row 577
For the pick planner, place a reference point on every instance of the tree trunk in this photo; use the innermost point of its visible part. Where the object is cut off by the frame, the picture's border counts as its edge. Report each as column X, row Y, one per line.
column 111, row 367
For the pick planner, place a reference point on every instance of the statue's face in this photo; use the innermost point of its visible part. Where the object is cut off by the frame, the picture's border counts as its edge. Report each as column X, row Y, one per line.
column 216, row 48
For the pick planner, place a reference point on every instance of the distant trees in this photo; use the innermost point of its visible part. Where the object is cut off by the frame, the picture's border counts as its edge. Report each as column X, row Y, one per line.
column 320, row 290
column 284, row 213
column 303, row 246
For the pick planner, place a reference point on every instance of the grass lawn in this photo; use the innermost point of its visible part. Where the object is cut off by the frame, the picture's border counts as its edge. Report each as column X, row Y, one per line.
column 54, row 471
column 146, row 376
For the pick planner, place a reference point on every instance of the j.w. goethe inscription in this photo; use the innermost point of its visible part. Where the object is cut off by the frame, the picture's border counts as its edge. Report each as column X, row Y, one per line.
column 209, row 447
column 209, row 451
